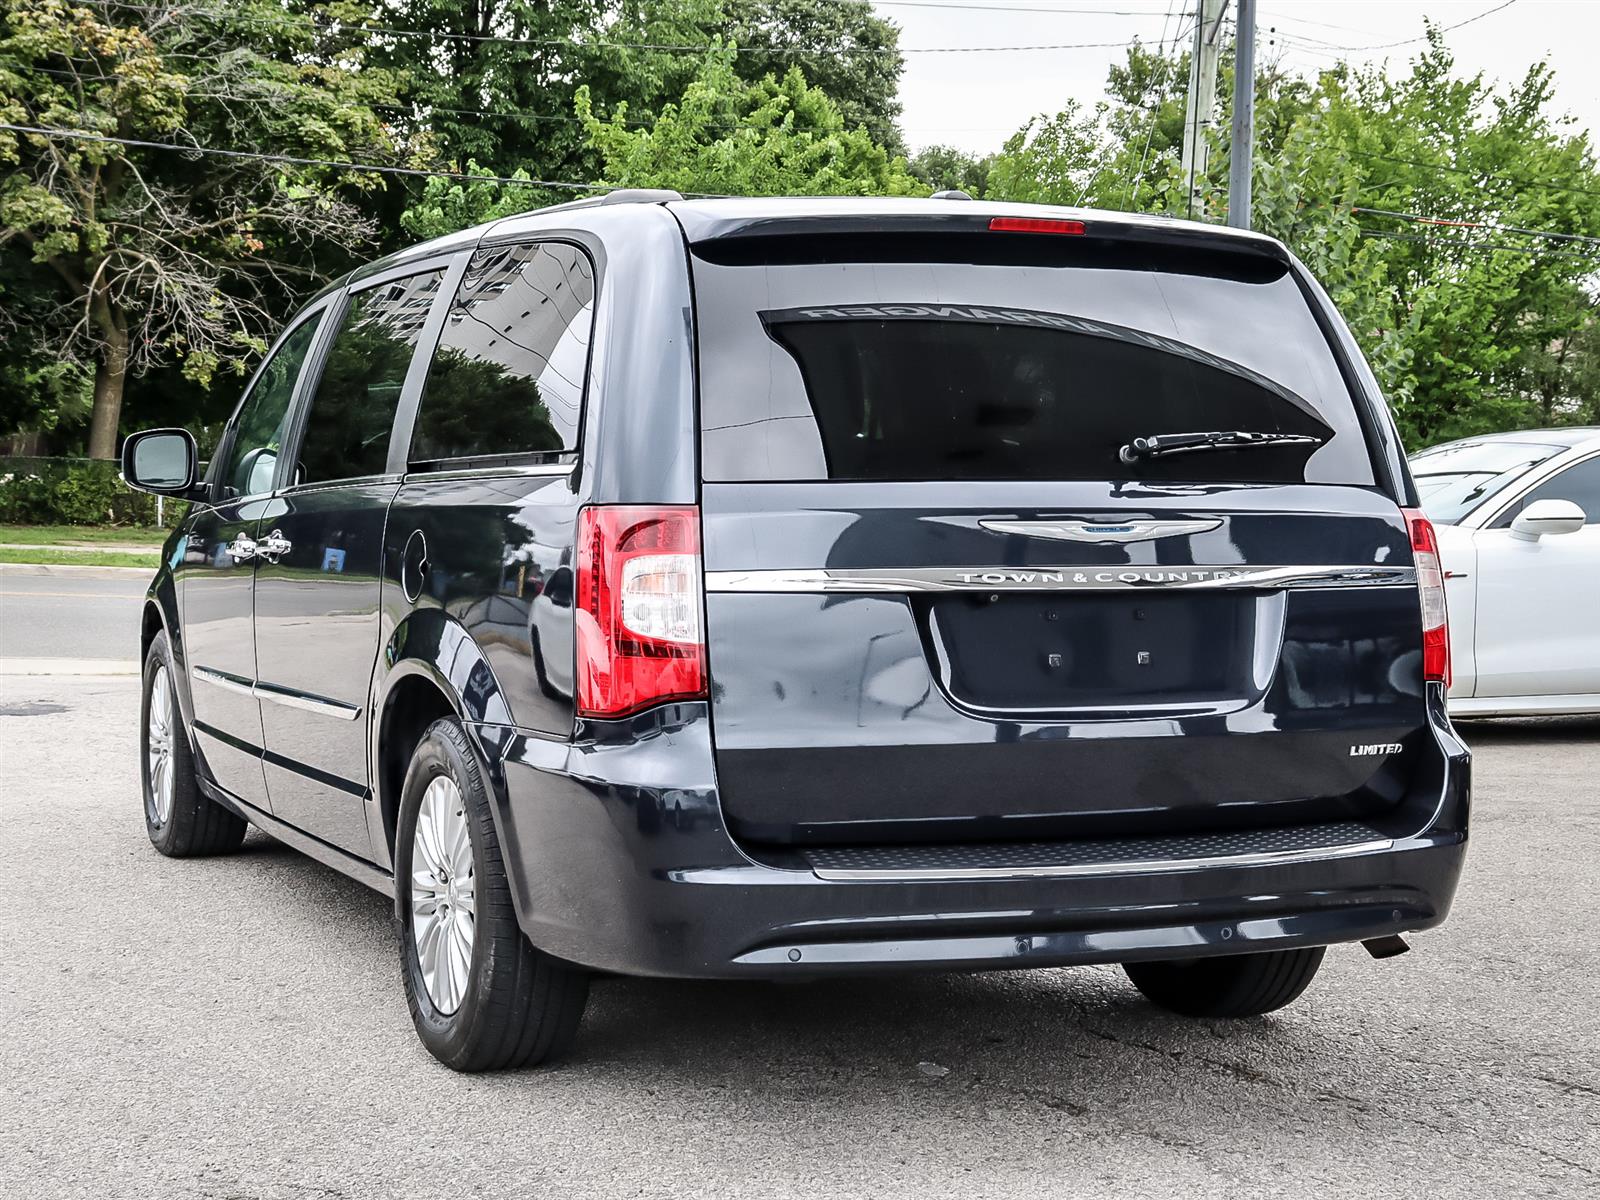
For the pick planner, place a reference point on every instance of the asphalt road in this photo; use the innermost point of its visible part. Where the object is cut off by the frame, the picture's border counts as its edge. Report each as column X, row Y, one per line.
column 73, row 612
column 235, row 1028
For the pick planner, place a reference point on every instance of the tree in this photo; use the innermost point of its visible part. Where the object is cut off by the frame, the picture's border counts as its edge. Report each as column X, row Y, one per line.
column 1050, row 160
column 778, row 137
column 842, row 47
column 945, row 168
column 1408, row 196
column 156, row 254
column 492, row 82
column 492, row 85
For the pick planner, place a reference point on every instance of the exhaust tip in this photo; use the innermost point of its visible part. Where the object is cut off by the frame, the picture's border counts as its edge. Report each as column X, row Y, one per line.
column 1386, row 947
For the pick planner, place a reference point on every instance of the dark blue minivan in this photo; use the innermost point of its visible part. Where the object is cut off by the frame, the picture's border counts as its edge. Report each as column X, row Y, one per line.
column 774, row 588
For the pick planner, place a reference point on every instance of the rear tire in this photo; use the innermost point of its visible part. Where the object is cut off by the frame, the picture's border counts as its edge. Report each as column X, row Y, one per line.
column 1242, row 985
column 181, row 820
column 481, row 996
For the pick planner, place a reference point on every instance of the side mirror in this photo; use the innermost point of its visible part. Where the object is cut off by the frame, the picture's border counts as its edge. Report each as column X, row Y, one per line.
column 163, row 462
column 1547, row 516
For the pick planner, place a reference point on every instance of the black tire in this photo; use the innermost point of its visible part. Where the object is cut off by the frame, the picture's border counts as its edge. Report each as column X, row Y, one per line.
column 1241, row 985
column 196, row 825
column 520, row 1006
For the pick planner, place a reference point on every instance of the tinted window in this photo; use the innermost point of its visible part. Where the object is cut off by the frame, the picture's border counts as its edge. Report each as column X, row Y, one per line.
column 508, row 375
column 981, row 369
column 347, row 433
column 1579, row 483
column 1454, row 479
column 253, row 457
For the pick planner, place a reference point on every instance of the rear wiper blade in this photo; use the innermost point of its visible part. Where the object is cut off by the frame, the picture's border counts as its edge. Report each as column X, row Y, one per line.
column 1160, row 445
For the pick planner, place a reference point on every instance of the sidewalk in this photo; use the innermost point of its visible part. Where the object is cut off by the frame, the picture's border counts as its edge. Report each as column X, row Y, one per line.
column 82, row 548
column 91, row 571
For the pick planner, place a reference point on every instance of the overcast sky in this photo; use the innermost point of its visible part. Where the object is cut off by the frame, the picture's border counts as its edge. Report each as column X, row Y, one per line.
column 976, row 100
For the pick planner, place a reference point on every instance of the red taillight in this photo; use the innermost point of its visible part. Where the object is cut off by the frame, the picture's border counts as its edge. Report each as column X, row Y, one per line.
column 1430, row 587
column 1034, row 225
column 640, row 638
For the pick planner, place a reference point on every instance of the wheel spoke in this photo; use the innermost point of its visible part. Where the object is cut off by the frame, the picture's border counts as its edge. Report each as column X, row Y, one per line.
column 443, row 905
column 441, row 789
column 427, row 840
column 158, row 731
column 460, row 958
column 428, row 953
column 460, row 846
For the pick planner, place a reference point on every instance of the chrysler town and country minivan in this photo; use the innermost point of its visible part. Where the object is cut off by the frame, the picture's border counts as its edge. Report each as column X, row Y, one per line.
column 780, row 588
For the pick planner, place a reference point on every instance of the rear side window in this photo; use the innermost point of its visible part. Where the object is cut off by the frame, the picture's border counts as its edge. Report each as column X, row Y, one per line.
column 347, row 432
column 508, row 376
column 1011, row 370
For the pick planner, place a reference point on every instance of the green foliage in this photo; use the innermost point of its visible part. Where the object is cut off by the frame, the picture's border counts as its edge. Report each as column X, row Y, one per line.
column 172, row 272
column 521, row 62
column 1468, row 330
column 56, row 491
column 942, row 168
column 447, row 205
column 778, row 137
column 1049, row 160
column 152, row 256
column 841, row 47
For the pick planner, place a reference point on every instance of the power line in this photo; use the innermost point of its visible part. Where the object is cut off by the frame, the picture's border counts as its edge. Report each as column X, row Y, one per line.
column 1487, row 176
column 1471, row 244
column 665, row 47
column 1490, row 225
column 1155, row 109
column 1488, row 12
column 260, row 156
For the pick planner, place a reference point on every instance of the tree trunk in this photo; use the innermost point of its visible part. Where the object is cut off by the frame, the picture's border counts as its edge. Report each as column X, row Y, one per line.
column 109, row 375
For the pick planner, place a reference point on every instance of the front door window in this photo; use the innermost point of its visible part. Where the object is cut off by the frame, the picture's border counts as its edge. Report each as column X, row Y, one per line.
column 263, row 419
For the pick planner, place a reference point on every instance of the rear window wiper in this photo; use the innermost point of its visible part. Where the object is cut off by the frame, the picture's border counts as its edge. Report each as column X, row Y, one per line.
column 1159, row 445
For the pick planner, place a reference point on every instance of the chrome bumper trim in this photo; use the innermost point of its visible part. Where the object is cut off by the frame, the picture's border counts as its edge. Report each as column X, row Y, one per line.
column 1081, row 870
column 1056, row 579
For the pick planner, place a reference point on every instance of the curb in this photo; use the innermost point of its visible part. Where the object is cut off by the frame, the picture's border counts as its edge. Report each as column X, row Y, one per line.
column 72, row 569
column 68, row 666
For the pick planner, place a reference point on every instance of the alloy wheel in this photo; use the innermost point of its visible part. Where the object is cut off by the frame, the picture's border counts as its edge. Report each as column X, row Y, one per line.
column 158, row 745
column 443, row 901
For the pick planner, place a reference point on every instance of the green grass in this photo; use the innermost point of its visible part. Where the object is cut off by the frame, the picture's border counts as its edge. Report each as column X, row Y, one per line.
column 82, row 535
column 47, row 556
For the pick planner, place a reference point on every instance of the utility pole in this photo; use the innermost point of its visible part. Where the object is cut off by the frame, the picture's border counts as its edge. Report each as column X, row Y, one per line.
column 1202, row 91
column 1241, row 150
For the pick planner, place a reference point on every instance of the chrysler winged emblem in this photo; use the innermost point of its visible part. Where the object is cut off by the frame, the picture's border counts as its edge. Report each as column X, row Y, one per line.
column 1118, row 532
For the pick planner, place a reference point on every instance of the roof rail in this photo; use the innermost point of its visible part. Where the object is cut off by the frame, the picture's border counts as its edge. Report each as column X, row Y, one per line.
column 616, row 196
column 640, row 196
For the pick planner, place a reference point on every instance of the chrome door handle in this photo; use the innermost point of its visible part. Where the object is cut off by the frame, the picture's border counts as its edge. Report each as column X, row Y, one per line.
column 274, row 546
column 242, row 547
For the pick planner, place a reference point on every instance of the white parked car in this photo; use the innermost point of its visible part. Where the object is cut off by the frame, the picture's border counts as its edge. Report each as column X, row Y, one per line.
column 1518, row 521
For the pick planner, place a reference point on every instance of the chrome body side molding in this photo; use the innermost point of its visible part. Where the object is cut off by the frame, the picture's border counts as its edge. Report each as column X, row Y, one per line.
column 221, row 679
column 265, row 691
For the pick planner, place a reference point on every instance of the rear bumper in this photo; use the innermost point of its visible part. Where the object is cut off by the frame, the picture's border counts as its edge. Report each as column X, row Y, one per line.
column 614, row 869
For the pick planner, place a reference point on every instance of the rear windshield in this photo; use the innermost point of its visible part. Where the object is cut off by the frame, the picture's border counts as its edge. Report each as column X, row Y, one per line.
column 877, row 366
